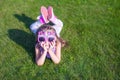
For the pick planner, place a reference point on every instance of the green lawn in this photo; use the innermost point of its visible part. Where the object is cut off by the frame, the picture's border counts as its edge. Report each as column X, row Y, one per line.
column 91, row 27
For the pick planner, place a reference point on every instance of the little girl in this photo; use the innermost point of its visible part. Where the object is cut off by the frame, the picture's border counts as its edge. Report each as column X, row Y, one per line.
column 47, row 17
column 47, row 36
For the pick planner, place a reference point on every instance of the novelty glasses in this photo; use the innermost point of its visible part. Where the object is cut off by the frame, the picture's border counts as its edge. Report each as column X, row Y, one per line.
column 46, row 36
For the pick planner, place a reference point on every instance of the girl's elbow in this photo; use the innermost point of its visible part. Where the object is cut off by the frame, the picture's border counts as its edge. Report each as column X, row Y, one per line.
column 39, row 64
column 57, row 62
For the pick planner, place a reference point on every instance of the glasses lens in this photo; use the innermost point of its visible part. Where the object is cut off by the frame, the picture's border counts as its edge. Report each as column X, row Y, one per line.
column 41, row 39
column 50, row 39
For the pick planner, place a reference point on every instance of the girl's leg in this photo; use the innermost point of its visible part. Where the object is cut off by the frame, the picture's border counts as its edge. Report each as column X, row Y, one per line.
column 58, row 26
column 35, row 26
column 44, row 14
column 58, row 23
column 42, row 19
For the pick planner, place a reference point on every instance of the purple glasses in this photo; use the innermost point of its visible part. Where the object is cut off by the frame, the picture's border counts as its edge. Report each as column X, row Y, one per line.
column 42, row 39
column 46, row 36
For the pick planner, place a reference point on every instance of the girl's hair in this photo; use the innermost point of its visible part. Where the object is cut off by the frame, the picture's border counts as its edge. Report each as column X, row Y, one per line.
column 49, row 27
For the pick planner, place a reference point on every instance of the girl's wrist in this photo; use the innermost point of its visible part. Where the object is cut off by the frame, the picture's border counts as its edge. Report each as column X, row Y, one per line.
column 50, row 50
column 45, row 52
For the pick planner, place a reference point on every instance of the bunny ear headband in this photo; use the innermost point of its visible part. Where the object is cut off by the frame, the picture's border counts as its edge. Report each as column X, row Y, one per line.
column 46, row 33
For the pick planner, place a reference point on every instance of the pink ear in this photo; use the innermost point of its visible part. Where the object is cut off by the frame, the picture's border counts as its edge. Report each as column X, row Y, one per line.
column 43, row 32
column 40, row 33
column 51, row 33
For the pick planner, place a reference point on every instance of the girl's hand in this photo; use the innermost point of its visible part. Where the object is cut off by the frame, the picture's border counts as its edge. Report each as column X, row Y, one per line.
column 45, row 46
column 51, row 45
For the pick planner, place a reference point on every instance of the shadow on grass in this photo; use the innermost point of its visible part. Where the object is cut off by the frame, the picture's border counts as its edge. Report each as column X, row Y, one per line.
column 25, row 19
column 24, row 39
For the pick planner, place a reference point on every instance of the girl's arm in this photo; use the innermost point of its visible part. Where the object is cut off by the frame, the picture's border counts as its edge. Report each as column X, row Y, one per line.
column 56, row 57
column 40, row 57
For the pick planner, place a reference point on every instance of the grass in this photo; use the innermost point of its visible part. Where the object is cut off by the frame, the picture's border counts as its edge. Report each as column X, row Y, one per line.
column 91, row 27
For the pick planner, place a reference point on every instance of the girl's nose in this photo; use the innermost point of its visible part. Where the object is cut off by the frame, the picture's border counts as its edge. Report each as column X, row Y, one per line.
column 47, row 42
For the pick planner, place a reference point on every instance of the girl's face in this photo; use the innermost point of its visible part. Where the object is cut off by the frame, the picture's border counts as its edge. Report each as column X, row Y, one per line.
column 46, row 36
